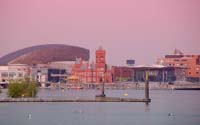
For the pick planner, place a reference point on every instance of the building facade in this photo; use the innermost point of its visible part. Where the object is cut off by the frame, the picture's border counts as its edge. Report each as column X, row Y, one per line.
column 40, row 73
column 44, row 73
column 13, row 72
column 122, row 74
column 191, row 63
column 156, row 74
column 84, row 72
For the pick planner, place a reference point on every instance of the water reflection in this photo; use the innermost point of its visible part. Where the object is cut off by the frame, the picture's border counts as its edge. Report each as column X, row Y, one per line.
column 147, row 107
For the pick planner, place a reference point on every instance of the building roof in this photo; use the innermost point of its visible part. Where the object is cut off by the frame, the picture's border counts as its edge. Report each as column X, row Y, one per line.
column 178, row 52
column 43, row 54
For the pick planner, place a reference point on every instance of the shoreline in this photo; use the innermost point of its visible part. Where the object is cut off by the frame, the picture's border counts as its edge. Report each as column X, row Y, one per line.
column 128, row 86
column 99, row 99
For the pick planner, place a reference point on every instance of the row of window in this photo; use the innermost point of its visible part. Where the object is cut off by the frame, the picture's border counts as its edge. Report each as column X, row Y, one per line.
column 89, row 79
column 177, row 60
column 178, row 64
column 11, row 74
column 91, row 74
column 191, row 73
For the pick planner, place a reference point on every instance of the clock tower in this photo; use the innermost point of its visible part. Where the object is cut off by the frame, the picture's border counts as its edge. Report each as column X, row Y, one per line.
column 100, row 59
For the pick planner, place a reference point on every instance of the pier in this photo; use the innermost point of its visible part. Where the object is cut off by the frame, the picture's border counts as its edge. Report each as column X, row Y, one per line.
column 106, row 99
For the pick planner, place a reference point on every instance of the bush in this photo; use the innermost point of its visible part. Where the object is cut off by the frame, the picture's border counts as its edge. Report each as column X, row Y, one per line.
column 22, row 88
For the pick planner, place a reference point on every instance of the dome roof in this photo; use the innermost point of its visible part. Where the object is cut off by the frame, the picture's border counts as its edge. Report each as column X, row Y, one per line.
column 43, row 54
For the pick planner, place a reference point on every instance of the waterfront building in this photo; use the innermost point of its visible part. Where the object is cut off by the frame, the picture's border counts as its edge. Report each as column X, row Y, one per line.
column 157, row 73
column 84, row 72
column 178, row 59
column 13, row 72
column 122, row 74
column 50, row 63
column 44, row 54
column 66, row 65
column 44, row 74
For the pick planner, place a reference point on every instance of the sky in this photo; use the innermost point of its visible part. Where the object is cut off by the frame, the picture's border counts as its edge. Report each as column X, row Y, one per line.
column 143, row 30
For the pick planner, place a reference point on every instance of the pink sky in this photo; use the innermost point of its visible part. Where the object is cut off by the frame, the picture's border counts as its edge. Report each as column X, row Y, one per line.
column 143, row 30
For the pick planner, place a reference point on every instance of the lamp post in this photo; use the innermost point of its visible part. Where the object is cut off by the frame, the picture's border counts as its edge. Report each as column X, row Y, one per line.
column 103, row 82
column 147, row 87
column 102, row 89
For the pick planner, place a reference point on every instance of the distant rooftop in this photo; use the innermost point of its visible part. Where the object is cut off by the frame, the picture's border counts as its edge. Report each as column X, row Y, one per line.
column 43, row 54
column 178, row 52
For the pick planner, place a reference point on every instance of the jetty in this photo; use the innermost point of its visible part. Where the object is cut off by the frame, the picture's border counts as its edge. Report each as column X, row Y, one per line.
column 106, row 99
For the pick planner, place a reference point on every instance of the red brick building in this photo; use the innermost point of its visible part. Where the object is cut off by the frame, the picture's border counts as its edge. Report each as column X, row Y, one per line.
column 83, row 72
column 122, row 74
column 190, row 62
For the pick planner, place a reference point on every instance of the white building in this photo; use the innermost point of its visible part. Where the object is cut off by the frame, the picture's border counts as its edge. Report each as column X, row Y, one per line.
column 13, row 71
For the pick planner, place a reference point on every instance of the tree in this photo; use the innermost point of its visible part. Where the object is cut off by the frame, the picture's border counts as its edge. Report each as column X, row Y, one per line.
column 22, row 88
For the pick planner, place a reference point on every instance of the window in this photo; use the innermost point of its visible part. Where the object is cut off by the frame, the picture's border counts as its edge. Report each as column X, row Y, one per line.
column 184, row 60
column 20, row 74
column 12, row 74
column 188, row 56
column 4, row 74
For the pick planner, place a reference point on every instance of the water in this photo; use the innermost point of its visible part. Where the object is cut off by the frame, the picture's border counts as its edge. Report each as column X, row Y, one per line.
column 166, row 108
